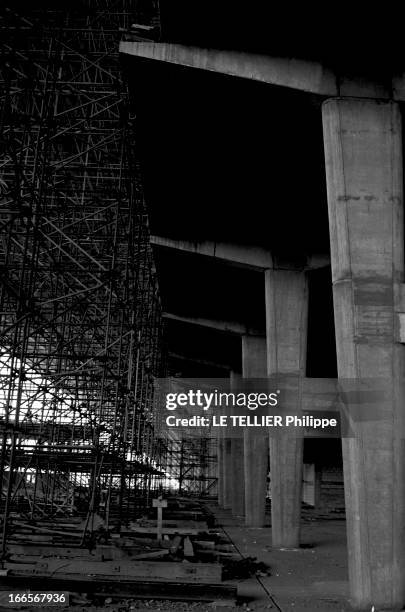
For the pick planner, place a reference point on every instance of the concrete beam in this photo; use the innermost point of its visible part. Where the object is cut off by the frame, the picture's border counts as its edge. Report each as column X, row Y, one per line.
column 247, row 256
column 230, row 327
column 205, row 362
column 293, row 73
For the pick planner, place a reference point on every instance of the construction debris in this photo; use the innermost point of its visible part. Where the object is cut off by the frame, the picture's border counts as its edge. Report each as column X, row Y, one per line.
column 188, row 564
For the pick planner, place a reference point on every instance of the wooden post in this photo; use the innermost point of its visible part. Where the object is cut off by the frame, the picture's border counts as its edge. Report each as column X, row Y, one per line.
column 159, row 503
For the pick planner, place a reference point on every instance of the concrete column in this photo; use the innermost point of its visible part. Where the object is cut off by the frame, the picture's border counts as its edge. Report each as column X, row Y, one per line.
column 286, row 330
column 318, row 487
column 227, row 471
column 363, row 153
column 227, row 467
column 237, row 475
column 256, row 447
column 220, row 488
column 238, row 480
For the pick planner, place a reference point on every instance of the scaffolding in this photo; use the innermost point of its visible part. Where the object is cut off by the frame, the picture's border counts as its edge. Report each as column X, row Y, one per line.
column 191, row 464
column 80, row 320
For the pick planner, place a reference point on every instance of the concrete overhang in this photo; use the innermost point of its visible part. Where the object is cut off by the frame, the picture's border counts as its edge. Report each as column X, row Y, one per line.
column 253, row 257
column 285, row 72
column 229, row 327
column 247, row 256
column 203, row 362
column 294, row 73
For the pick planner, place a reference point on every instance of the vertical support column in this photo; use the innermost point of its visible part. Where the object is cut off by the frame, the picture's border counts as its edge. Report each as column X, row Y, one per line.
column 286, row 331
column 227, row 473
column 220, row 468
column 363, row 153
column 256, row 446
column 227, row 460
column 238, row 480
column 318, row 487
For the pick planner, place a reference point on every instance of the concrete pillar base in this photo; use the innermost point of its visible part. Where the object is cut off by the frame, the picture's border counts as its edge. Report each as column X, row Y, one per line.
column 286, row 456
column 256, row 469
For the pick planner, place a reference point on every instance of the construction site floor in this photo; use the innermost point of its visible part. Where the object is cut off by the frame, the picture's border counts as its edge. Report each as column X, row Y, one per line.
column 310, row 579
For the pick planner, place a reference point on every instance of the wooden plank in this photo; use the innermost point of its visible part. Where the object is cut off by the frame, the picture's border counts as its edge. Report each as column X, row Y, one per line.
column 50, row 551
column 165, row 531
column 155, row 554
column 209, row 544
column 28, row 536
column 188, row 548
column 134, row 589
column 202, row 525
column 187, row 572
column 77, row 534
